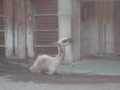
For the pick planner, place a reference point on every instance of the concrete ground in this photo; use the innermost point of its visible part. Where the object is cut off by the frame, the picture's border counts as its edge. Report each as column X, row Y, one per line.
column 95, row 65
column 25, row 81
column 89, row 74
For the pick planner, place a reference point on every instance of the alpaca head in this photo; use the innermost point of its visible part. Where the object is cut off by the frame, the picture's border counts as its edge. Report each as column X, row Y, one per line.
column 63, row 42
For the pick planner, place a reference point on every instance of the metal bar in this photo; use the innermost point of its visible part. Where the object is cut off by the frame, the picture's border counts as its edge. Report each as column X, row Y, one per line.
column 45, row 30
column 2, row 30
column 45, row 14
column 2, row 45
column 1, row 15
column 45, row 46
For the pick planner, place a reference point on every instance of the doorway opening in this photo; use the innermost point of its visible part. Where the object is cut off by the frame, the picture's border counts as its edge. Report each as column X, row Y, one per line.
column 100, row 28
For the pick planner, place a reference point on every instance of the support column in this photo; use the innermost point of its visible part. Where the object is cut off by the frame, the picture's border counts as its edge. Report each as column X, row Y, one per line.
column 29, row 28
column 8, row 18
column 65, row 28
column 20, row 28
column 76, row 29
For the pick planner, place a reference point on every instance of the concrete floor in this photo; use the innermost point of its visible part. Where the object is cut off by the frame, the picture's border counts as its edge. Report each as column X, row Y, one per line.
column 28, row 81
column 14, row 75
column 94, row 65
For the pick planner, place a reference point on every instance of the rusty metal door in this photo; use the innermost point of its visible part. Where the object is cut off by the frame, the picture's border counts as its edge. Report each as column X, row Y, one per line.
column 87, row 21
column 97, row 30
column 106, row 28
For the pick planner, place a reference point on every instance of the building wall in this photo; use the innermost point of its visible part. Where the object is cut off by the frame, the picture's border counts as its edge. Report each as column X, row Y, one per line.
column 91, row 28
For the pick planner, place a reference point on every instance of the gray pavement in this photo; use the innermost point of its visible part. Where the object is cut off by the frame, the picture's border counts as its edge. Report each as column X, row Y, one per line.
column 60, row 82
column 89, row 74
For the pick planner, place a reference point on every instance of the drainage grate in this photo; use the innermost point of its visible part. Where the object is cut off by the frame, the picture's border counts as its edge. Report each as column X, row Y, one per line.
column 45, row 26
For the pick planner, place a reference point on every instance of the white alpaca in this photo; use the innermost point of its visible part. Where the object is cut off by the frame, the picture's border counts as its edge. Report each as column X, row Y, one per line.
column 47, row 64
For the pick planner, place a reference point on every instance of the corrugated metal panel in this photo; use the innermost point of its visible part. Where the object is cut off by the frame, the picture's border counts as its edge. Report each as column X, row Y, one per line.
column 45, row 26
column 45, row 37
column 46, row 22
column 1, row 23
column 2, row 52
column 1, row 7
column 46, row 50
column 46, row 7
column 2, row 34
column 2, row 39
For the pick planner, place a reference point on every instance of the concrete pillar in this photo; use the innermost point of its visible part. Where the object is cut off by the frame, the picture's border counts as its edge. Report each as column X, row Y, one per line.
column 29, row 28
column 8, row 14
column 20, row 29
column 65, row 28
column 76, row 30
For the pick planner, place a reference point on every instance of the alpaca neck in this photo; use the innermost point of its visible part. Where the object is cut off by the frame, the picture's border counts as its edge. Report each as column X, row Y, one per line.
column 61, row 54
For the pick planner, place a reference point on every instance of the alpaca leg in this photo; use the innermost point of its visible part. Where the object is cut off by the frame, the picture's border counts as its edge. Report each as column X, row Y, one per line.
column 49, row 73
column 56, row 71
column 34, row 69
